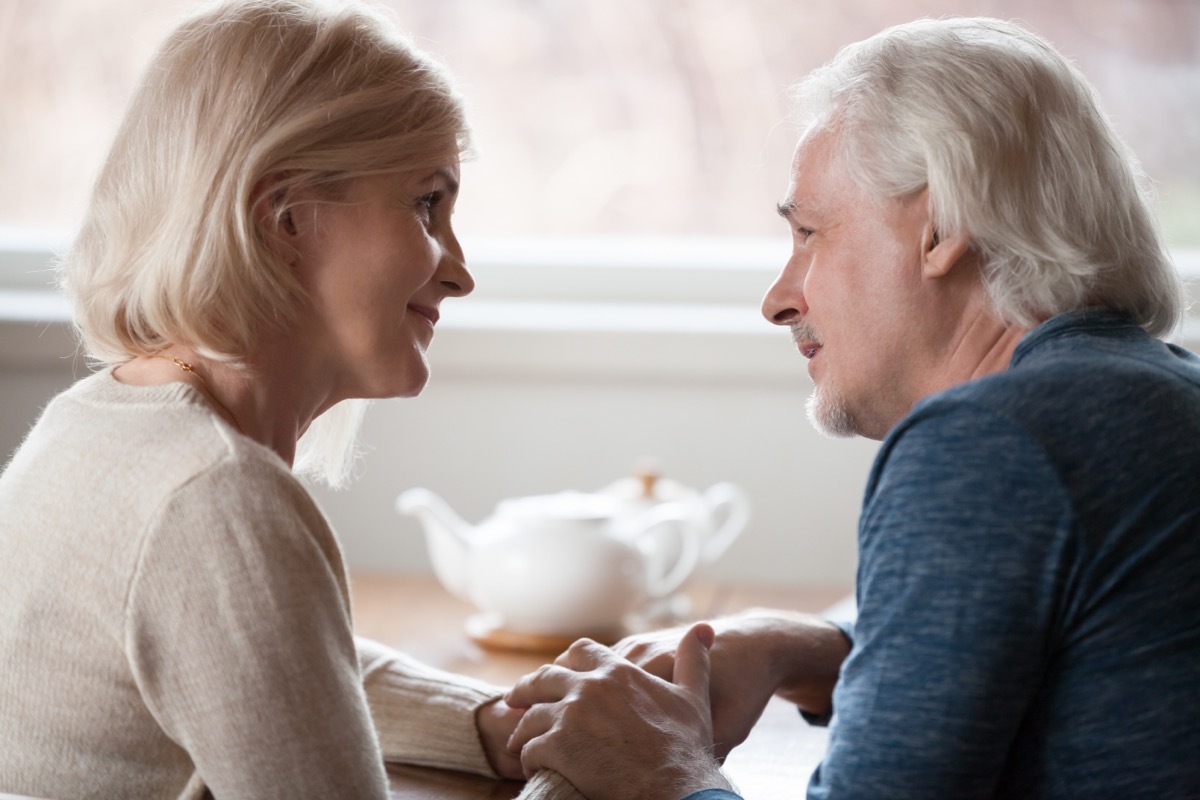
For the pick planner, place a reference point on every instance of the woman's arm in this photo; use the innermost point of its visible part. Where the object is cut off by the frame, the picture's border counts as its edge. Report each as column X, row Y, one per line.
column 238, row 634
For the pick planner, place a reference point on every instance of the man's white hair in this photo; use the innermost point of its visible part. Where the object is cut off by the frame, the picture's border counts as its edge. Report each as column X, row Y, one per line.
column 1011, row 141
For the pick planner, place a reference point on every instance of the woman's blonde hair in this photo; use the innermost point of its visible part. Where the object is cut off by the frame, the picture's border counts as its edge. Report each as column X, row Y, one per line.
column 313, row 94
column 297, row 92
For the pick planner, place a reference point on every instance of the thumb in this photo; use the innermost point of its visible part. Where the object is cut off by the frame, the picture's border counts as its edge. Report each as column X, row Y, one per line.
column 691, row 660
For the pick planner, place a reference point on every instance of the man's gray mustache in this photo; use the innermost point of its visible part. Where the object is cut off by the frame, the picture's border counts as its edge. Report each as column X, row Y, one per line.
column 803, row 332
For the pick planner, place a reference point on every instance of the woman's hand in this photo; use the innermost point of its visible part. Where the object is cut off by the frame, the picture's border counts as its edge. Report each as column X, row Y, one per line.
column 616, row 731
column 496, row 722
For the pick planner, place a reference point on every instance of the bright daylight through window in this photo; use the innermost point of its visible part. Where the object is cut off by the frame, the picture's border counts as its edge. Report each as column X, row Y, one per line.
column 623, row 118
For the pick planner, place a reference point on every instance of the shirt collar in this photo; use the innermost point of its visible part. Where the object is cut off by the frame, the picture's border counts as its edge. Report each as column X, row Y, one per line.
column 1095, row 320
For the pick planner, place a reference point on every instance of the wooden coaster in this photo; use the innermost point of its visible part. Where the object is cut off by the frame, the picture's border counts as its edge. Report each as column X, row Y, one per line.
column 487, row 630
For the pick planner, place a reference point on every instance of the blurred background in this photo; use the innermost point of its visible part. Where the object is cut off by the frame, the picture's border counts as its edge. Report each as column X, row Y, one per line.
column 619, row 219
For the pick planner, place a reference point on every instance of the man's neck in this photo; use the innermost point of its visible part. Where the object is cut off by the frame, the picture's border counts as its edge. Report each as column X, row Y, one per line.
column 983, row 345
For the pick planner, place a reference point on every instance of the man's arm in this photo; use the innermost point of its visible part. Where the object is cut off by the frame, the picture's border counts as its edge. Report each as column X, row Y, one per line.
column 961, row 557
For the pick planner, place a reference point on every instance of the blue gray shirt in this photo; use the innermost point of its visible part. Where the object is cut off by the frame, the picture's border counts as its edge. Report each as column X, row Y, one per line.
column 1029, row 583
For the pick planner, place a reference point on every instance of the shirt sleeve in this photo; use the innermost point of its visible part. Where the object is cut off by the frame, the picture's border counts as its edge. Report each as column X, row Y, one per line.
column 961, row 547
column 238, row 634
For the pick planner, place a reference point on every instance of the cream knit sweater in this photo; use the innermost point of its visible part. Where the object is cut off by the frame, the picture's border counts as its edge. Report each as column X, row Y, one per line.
column 175, row 620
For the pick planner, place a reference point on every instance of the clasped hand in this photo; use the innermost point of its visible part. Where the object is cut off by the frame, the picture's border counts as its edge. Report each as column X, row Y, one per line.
column 616, row 730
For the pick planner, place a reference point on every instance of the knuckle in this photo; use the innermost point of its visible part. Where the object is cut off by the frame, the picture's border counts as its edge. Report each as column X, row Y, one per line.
column 580, row 647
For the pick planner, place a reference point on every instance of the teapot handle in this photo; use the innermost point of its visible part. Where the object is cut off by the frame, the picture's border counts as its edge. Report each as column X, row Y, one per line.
column 664, row 580
column 727, row 499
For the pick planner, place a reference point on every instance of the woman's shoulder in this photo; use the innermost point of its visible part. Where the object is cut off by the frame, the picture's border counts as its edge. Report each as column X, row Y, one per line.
column 165, row 456
column 169, row 426
column 243, row 514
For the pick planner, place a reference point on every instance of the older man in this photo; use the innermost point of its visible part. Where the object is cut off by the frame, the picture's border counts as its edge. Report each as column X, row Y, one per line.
column 977, row 278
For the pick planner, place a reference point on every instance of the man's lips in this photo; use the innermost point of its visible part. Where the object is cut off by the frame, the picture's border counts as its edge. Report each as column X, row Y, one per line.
column 428, row 312
column 806, row 339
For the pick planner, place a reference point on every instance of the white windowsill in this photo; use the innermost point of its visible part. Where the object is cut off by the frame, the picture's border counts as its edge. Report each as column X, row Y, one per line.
column 580, row 308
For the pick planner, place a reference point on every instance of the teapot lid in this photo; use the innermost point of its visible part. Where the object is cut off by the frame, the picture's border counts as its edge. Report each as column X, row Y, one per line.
column 570, row 505
column 647, row 486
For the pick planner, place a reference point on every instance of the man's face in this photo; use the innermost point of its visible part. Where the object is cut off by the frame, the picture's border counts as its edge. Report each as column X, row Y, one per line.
column 851, row 292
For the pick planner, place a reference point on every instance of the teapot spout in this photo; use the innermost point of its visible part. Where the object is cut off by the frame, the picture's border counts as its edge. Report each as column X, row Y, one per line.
column 447, row 536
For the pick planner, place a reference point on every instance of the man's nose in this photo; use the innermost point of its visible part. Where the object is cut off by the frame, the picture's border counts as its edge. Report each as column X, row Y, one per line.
column 784, row 302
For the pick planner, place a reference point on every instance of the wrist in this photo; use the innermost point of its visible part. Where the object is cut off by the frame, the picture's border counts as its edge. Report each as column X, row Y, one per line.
column 801, row 655
column 495, row 722
column 702, row 777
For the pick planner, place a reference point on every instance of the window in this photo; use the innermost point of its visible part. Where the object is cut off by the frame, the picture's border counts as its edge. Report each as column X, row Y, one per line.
column 615, row 118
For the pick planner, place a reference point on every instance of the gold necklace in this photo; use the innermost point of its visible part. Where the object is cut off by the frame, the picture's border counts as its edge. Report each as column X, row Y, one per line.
column 204, row 388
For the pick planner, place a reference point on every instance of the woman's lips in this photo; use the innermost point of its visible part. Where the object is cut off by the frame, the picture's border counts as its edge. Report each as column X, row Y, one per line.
column 428, row 312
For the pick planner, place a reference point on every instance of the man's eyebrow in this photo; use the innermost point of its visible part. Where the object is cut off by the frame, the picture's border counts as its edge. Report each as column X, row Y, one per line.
column 786, row 208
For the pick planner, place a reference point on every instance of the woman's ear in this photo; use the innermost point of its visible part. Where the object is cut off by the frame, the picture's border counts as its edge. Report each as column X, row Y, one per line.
column 273, row 214
column 940, row 254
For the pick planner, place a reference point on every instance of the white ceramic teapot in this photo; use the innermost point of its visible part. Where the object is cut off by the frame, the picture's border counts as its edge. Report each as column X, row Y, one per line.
column 716, row 517
column 566, row 564
column 718, row 514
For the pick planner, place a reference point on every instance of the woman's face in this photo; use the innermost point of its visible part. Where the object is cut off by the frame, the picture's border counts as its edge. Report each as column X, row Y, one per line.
column 377, row 263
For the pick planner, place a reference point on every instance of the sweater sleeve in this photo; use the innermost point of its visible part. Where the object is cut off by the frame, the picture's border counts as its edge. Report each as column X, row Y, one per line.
column 960, row 556
column 238, row 634
column 423, row 715
column 549, row 785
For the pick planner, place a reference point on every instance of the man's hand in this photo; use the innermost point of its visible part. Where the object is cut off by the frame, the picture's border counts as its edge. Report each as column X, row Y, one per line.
column 496, row 722
column 616, row 731
column 756, row 654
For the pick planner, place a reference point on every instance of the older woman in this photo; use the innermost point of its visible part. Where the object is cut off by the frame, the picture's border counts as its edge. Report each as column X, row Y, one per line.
column 269, row 237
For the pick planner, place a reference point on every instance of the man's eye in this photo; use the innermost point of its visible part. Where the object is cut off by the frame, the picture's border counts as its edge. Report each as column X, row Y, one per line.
column 804, row 233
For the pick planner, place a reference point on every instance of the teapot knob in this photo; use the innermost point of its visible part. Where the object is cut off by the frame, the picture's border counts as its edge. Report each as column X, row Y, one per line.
column 648, row 472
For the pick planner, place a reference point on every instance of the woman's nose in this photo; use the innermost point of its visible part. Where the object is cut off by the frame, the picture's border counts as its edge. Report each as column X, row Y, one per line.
column 453, row 274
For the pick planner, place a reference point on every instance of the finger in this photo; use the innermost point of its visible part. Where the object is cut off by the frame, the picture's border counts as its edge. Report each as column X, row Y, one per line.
column 631, row 647
column 641, row 652
column 548, row 684
column 584, row 656
column 691, row 660
column 535, row 722
column 538, row 754
column 642, row 645
column 662, row 666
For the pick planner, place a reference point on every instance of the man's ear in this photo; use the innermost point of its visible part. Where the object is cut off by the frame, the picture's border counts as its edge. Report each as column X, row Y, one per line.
column 940, row 254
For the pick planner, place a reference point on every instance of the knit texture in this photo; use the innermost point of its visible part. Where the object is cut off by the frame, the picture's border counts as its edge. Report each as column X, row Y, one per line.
column 1029, row 583
column 175, row 619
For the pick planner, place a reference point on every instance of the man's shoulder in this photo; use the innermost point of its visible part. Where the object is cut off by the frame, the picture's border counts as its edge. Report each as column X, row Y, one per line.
column 1071, row 383
column 1092, row 417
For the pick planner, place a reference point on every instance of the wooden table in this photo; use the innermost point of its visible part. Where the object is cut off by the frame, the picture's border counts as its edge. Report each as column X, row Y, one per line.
column 415, row 615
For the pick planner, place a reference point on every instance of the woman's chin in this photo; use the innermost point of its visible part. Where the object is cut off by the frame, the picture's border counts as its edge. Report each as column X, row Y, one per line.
column 410, row 385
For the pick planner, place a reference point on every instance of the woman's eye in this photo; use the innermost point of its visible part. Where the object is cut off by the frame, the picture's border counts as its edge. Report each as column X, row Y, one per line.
column 430, row 201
